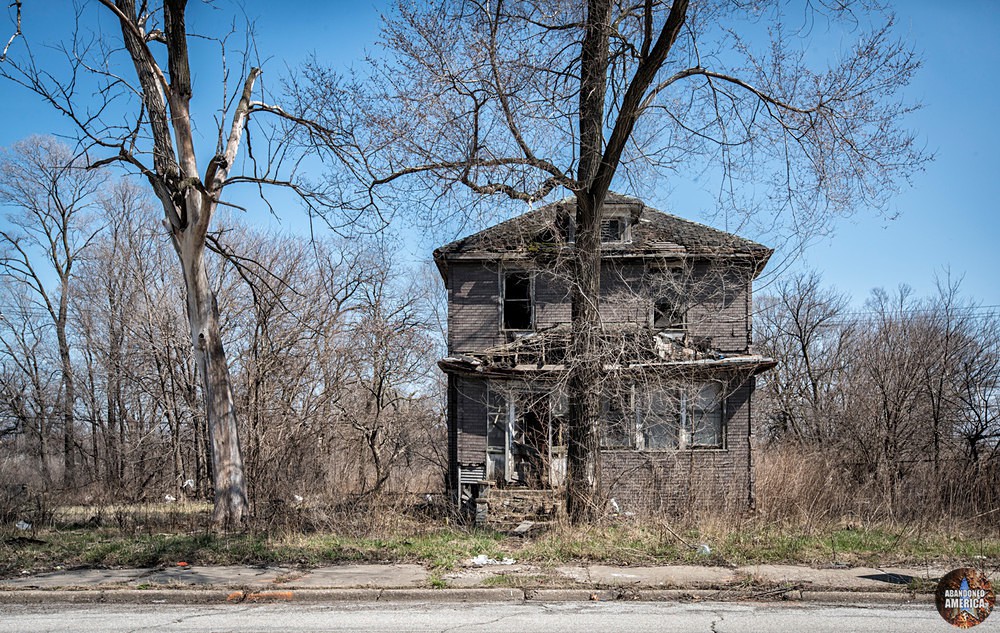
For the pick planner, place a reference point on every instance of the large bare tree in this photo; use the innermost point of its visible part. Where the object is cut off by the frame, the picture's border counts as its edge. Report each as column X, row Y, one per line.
column 130, row 101
column 521, row 98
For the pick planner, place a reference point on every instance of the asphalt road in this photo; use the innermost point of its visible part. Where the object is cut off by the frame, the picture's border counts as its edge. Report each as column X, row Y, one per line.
column 631, row 617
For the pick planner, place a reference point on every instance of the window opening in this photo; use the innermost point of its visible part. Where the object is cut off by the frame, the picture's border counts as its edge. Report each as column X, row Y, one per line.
column 690, row 418
column 668, row 314
column 517, row 307
column 705, row 417
column 617, row 425
column 661, row 421
column 613, row 230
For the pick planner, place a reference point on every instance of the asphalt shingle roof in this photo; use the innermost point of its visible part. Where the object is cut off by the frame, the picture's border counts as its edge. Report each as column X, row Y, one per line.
column 652, row 231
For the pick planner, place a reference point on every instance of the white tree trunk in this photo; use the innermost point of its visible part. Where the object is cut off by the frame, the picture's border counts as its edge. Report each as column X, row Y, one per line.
column 231, row 507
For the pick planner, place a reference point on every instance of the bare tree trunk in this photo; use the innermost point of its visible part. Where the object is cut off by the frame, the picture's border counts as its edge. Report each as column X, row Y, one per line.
column 231, row 505
column 583, row 461
column 583, row 456
column 69, row 398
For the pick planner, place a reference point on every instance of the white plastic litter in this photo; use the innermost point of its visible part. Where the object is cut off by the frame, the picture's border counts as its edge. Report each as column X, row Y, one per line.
column 704, row 549
column 22, row 525
column 169, row 498
column 483, row 559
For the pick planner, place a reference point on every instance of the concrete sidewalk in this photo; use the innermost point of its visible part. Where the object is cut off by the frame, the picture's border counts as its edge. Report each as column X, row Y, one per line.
column 473, row 582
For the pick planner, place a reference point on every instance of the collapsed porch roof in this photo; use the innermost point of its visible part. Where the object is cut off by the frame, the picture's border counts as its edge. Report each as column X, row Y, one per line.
column 624, row 348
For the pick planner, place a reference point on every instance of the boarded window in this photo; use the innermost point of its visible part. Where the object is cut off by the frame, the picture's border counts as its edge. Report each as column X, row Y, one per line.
column 517, row 309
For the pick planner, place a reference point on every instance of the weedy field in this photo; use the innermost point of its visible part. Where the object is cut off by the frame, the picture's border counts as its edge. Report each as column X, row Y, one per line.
column 149, row 535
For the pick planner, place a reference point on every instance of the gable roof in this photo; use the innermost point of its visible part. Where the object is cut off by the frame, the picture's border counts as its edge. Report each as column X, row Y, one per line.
column 653, row 233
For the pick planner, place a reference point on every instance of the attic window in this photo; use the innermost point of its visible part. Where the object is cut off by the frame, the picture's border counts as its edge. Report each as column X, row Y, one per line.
column 566, row 227
column 517, row 308
column 614, row 230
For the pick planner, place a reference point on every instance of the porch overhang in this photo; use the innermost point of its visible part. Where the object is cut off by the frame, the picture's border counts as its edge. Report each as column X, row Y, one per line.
column 751, row 363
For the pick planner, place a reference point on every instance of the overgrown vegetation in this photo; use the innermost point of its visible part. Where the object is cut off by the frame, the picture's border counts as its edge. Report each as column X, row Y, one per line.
column 890, row 414
column 160, row 535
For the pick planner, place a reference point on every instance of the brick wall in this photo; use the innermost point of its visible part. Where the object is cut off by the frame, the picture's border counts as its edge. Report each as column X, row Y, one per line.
column 719, row 307
column 673, row 481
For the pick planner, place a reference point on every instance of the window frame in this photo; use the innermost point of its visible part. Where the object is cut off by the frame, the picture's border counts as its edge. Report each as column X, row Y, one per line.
column 506, row 273
column 625, row 235
column 692, row 409
column 676, row 307
column 684, row 415
column 626, row 408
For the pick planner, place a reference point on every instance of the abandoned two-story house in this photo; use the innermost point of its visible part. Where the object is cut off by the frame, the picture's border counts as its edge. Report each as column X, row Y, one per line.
column 674, row 343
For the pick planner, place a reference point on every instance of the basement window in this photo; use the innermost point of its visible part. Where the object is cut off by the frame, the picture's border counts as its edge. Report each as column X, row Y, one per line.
column 517, row 303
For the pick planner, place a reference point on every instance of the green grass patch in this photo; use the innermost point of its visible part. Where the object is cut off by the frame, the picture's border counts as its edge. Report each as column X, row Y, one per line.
column 444, row 547
column 441, row 548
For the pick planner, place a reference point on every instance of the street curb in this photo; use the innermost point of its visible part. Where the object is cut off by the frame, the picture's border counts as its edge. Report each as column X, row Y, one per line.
column 479, row 595
column 866, row 597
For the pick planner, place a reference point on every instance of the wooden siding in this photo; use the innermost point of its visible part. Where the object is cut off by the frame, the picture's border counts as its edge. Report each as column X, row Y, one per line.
column 717, row 302
column 552, row 300
column 471, row 420
column 473, row 307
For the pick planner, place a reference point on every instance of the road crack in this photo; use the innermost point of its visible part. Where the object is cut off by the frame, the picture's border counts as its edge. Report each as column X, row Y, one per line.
column 719, row 619
column 194, row 616
column 478, row 624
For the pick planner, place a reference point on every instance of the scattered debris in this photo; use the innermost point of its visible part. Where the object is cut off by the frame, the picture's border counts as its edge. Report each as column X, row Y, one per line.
column 704, row 549
column 524, row 527
column 483, row 559
column 615, row 507
column 22, row 525
column 169, row 498
column 298, row 498
column 188, row 483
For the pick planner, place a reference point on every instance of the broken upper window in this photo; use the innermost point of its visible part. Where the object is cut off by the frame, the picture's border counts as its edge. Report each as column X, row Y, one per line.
column 614, row 230
column 566, row 227
column 668, row 314
column 517, row 308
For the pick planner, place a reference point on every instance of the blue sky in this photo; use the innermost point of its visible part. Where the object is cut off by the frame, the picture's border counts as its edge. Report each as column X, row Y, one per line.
column 948, row 219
